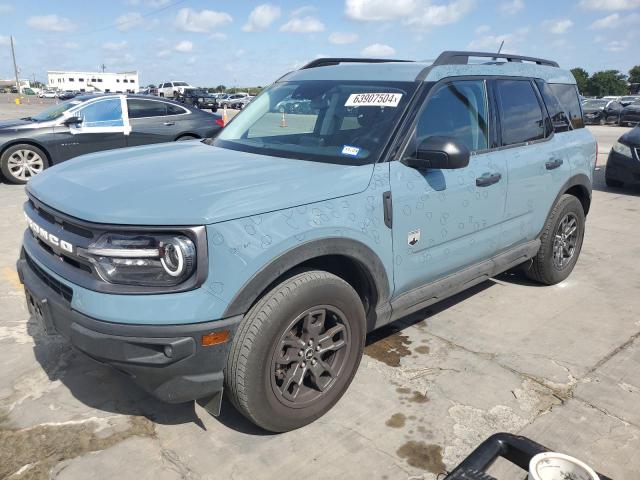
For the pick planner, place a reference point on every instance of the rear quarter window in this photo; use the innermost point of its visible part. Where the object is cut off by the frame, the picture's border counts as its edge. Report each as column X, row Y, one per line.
column 520, row 113
column 569, row 99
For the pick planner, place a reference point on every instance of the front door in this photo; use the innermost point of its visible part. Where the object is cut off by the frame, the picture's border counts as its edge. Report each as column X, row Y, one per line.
column 104, row 126
column 445, row 220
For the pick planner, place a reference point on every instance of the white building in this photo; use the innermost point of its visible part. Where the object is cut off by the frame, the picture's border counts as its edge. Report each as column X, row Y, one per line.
column 125, row 82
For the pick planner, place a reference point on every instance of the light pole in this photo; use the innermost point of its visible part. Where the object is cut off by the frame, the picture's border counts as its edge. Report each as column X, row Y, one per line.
column 15, row 67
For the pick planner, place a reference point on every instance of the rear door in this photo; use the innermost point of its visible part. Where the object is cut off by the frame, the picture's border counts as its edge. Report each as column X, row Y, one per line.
column 148, row 120
column 535, row 158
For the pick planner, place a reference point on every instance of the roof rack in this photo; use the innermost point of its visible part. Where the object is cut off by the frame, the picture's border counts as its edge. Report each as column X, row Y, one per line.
column 325, row 62
column 462, row 58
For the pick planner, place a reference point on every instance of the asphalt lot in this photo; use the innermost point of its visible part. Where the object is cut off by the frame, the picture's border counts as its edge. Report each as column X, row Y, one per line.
column 559, row 364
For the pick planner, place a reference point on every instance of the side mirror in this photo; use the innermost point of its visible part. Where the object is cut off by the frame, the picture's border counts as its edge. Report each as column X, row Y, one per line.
column 439, row 153
column 73, row 121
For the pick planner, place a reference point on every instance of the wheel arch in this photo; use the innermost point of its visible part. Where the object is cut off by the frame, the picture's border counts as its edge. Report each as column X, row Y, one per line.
column 348, row 259
column 187, row 134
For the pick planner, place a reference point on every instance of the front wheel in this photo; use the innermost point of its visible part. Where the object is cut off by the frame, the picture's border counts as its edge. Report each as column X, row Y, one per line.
column 561, row 242
column 21, row 162
column 296, row 351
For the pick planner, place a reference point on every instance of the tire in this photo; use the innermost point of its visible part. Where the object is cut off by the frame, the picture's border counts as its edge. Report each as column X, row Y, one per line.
column 184, row 138
column 611, row 183
column 161, row 95
column 258, row 383
column 32, row 159
column 545, row 268
column 602, row 121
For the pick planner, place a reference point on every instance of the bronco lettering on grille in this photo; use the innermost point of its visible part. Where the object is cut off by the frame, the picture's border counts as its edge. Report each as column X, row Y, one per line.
column 47, row 237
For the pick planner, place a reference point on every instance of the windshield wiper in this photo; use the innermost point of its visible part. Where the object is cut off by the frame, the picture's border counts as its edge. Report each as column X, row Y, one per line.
column 29, row 119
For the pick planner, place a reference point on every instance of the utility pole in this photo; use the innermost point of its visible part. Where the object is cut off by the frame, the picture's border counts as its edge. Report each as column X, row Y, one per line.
column 103, row 67
column 15, row 67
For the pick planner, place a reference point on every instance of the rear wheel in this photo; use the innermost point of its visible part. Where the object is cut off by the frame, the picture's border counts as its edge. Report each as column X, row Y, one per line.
column 184, row 138
column 561, row 242
column 296, row 351
column 21, row 162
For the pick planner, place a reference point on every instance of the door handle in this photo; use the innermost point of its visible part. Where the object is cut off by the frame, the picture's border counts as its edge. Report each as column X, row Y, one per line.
column 168, row 124
column 488, row 179
column 553, row 163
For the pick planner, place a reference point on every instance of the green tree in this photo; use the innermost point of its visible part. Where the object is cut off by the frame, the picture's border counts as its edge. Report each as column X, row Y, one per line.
column 221, row 88
column 582, row 79
column 607, row 82
column 634, row 74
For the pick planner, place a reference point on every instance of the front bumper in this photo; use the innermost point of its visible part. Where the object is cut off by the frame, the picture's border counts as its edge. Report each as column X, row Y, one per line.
column 167, row 361
column 592, row 118
column 630, row 117
column 622, row 168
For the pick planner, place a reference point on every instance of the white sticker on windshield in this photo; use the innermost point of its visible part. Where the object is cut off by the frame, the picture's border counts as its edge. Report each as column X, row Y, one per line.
column 349, row 150
column 373, row 100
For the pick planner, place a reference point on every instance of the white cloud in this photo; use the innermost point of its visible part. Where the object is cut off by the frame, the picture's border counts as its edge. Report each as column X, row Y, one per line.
column 303, row 25
column 616, row 46
column 610, row 5
column 51, row 23
column 262, row 17
column 6, row 8
column 492, row 42
column 205, row 21
column 4, row 40
column 185, row 46
column 343, row 38
column 558, row 27
column 418, row 13
column 163, row 53
column 511, row 7
column 482, row 29
column 615, row 20
column 129, row 20
column 115, row 46
column 380, row 10
column 378, row 50
column 70, row 45
column 304, row 10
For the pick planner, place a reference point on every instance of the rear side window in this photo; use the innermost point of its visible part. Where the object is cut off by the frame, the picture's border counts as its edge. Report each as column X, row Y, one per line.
column 520, row 112
column 457, row 110
column 146, row 108
column 556, row 111
column 569, row 99
column 175, row 110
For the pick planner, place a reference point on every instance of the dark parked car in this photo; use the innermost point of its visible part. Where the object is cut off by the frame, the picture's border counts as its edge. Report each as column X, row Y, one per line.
column 629, row 99
column 623, row 164
column 199, row 98
column 630, row 115
column 601, row 111
column 90, row 123
column 67, row 95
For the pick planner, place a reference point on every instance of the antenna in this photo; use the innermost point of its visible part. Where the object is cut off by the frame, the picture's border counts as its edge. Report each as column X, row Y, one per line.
column 103, row 67
column 501, row 45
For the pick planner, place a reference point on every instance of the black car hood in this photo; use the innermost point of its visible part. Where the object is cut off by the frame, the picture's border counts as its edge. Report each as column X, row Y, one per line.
column 634, row 107
column 13, row 123
column 632, row 137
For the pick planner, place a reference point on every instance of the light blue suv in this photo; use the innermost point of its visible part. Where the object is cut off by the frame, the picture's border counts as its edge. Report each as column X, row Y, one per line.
column 259, row 260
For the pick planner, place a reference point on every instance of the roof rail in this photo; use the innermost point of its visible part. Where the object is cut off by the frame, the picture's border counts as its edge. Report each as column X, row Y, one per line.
column 462, row 58
column 325, row 62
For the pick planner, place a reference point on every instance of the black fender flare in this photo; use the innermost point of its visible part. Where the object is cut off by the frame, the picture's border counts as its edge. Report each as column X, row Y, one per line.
column 355, row 250
column 578, row 180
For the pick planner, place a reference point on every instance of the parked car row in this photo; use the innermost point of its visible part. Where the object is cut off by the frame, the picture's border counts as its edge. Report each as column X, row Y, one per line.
column 623, row 111
column 91, row 123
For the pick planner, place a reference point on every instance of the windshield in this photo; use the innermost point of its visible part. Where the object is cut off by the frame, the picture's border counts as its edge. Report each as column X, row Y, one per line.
column 55, row 111
column 321, row 120
column 595, row 103
column 180, row 84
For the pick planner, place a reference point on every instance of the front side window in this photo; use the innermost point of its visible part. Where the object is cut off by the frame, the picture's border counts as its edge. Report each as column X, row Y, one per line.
column 332, row 121
column 103, row 113
column 457, row 110
column 520, row 113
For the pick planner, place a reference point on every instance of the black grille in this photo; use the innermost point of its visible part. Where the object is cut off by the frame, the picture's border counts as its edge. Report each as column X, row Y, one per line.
column 51, row 218
column 54, row 284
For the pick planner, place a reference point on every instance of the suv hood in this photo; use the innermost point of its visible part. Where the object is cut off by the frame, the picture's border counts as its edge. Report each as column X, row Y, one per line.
column 188, row 183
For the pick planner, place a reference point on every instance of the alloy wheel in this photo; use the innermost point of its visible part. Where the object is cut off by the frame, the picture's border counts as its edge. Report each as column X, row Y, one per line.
column 24, row 164
column 565, row 241
column 309, row 356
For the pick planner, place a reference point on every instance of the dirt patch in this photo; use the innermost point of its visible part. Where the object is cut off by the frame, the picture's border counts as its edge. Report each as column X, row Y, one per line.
column 403, row 390
column 389, row 349
column 422, row 350
column 418, row 397
column 397, row 420
column 43, row 446
column 422, row 455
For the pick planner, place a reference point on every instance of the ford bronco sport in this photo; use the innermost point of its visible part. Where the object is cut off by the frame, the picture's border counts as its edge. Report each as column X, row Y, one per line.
column 256, row 262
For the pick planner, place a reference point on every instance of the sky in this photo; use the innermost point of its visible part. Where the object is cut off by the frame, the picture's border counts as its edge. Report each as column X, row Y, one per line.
column 252, row 43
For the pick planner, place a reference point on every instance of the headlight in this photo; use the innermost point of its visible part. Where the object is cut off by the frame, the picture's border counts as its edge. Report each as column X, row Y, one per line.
column 622, row 149
column 143, row 259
